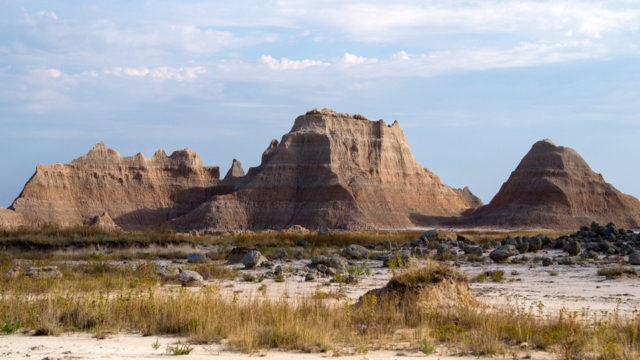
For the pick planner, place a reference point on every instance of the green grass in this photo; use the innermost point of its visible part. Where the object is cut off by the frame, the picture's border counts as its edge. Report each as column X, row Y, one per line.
column 493, row 275
column 179, row 349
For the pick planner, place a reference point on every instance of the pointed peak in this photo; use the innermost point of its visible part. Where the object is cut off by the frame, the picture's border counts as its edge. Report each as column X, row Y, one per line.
column 99, row 145
column 235, row 170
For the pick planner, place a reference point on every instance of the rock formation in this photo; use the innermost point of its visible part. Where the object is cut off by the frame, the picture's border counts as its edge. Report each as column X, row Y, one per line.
column 135, row 191
column 332, row 170
column 235, row 171
column 471, row 198
column 553, row 187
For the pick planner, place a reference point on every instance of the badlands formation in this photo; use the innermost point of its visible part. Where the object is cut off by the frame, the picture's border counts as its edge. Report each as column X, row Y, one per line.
column 553, row 187
column 102, row 188
column 331, row 170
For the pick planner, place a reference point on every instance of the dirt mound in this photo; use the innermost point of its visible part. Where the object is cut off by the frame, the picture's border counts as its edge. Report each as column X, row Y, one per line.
column 553, row 187
column 434, row 284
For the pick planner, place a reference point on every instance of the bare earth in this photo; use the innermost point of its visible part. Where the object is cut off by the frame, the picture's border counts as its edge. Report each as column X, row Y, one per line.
column 83, row 346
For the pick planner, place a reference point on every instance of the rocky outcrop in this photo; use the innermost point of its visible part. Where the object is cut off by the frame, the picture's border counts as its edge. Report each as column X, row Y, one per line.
column 104, row 222
column 107, row 189
column 553, row 187
column 235, row 171
column 10, row 219
column 332, row 170
column 471, row 198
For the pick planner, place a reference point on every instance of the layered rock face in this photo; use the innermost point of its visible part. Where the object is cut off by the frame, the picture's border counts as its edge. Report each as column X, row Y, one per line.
column 553, row 187
column 332, row 170
column 135, row 192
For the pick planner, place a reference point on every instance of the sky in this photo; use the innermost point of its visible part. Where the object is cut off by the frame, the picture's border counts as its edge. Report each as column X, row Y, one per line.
column 473, row 83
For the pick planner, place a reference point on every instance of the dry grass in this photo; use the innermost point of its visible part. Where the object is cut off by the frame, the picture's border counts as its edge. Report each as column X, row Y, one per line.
column 312, row 324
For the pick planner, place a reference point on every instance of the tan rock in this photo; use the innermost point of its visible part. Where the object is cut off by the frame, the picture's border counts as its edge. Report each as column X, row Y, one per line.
column 553, row 187
column 10, row 219
column 135, row 191
column 332, row 170
column 104, row 222
column 235, row 171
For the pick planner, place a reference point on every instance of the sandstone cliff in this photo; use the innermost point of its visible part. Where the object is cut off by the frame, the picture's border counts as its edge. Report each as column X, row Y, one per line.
column 553, row 187
column 135, row 191
column 332, row 170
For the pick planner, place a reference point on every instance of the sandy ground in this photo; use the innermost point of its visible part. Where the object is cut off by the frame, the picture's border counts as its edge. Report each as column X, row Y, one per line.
column 574, row 288
column 83, row 346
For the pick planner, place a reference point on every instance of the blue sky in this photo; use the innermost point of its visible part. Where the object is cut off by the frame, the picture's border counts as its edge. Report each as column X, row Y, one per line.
column 473, row 83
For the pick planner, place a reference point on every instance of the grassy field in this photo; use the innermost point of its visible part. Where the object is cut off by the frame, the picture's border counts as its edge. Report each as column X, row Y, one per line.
column 105, row 302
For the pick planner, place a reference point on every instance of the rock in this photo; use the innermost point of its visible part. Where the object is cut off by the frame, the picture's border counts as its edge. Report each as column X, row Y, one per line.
column 333, row 261
column 104, row 222
column 603, row 245
column 396, row 258
column 298, row 255
column 44, row 272
column 253, row 259
column 277, row 271
column 335, row 171
column 168, row 272
column 236, row 254
column 553, row 187
column 235, row 171
column 471, row 198
column 196, row 258
column 634, row 258
column 430, row 235
column 189, row 278
column 442, row 248
column 281, row 255
column 522, row 247
column 566, row 261
column 503, row 253
column 535, row 243
column 356, row 252
column 547, row 261
column 310, row 276
column 473, row 250
column 101, row 186
column 572, row 248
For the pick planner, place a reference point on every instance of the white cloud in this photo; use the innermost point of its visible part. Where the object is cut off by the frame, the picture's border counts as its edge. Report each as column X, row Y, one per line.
column 159, row 73
column 401, row 55
column 383, row 21
column 286, row 64
column 351, row 59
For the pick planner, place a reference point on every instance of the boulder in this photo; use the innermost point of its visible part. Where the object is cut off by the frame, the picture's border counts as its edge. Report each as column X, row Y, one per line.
column 634, row 258
column 189, row 278
column 236, row 254
column 503, row 253
column 253, row 259
column 196, row 258
column 572, row 248
column 356, row 252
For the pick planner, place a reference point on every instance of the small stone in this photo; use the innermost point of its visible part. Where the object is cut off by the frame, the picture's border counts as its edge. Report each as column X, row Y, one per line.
column 547, row 261
column 310, row 277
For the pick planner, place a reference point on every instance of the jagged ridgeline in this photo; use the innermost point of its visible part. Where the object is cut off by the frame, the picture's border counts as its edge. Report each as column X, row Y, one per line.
column 332, row 170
